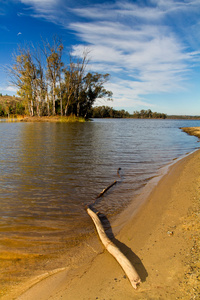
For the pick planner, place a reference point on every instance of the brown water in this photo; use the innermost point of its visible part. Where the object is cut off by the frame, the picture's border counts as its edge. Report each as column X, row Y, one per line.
column 49, row 171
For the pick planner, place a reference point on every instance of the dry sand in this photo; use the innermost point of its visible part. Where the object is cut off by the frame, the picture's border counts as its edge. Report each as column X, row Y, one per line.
column 192, row 131
column 161, row 241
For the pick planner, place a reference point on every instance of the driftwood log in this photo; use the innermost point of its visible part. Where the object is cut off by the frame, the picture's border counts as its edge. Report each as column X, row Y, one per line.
column 110, row 246
column 114, row 250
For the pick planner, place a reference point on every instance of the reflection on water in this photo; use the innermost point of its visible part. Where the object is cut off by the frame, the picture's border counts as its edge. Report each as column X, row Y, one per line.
column 48, row 171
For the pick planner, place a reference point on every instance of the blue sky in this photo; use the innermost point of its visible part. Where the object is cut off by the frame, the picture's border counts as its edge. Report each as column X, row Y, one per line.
column 151, row 48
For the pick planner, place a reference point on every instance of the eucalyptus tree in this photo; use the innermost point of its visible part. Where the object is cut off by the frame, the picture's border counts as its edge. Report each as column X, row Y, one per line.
column 41, row 84
column 23, row 76
column 53, row 54
column 93, row 89
column 28, row 75
column 73, row 82
column 42, row 78
column 82, row 88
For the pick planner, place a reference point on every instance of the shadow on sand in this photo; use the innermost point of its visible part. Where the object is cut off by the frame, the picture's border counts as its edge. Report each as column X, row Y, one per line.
column 133, row 258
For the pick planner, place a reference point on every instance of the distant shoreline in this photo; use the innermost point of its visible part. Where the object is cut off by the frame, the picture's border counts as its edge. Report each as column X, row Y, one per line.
column 66, row 119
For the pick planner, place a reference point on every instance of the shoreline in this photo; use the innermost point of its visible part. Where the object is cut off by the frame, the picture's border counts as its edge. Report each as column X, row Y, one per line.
column 192, row 131
column 42, row 119
column 158, row 240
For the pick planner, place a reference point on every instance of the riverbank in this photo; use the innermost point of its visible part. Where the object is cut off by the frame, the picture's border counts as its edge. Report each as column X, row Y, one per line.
column 161, row 241
column 192, row 131
column 58, row 119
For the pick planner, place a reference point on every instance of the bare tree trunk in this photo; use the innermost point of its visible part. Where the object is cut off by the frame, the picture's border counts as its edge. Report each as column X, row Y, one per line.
column 61, row 102
column 37, row 104
column 67, row 105
column 48, row 112
column 31, row 108
column 78, row 109
column 61, row 108
column 54, row 100
column 66, row 109
column 38, row 108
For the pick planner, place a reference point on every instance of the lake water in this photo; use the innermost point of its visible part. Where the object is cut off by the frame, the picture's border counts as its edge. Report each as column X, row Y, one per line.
column 49, row 171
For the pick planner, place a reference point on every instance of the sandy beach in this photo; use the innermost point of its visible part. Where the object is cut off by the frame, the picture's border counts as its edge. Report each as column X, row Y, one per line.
column 161, row 241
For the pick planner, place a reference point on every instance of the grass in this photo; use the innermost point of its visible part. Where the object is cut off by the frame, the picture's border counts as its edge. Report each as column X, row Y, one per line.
column 59, row 119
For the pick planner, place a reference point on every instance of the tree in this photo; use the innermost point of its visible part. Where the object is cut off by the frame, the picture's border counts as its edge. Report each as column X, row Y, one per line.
column 23, row 75
column 81, row 89
column 148, row 114
column 74, row 76
column 48, row 86
column 108, row 112
column 40, row 82
column 93, row 88
column 54, row 67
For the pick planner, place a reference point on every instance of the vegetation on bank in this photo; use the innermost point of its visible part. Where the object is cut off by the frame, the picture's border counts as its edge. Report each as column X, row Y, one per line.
column 52, row 119
column 148, row 114
column 183, row 117
column 50, row 86
column 11, row 106
column 14, row 106
column 109, row 112
column 192, row 131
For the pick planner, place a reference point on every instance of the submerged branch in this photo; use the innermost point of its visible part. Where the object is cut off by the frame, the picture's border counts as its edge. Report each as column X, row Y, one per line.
column 107, row 188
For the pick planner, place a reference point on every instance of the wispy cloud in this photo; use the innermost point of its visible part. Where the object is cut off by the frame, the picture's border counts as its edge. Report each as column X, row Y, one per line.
column 3, row 27
column 45, row 9
column 148, row 49
column 40, row 3
column 9, row 89
column 141, row 44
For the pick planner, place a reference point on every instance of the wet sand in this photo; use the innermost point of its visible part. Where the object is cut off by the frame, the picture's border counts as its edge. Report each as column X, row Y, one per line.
column 161, row 241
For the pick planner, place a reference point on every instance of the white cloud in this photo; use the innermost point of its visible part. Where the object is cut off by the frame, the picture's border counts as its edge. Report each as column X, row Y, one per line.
column 152, row 60
column 10, row 89
column 43, row 8
column 148, row 49
column 138, row 43
column 40, row 3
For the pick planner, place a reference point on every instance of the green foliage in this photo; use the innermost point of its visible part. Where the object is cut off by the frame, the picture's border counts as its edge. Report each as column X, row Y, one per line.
column 148, row 114
column 108, row 112
column 49, row 87
column 1, row 111
column 19, row 108
column 10, row 105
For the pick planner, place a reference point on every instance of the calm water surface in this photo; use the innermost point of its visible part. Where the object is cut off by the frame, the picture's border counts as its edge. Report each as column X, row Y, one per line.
column 49, row 171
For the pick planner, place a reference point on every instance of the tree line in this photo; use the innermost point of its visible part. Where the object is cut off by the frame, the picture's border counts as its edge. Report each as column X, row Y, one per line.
column 109, row 112
column 15, row 106
column 148, row 114
column 50, row 86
